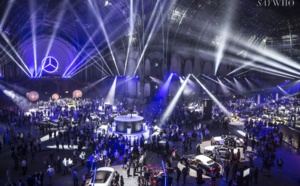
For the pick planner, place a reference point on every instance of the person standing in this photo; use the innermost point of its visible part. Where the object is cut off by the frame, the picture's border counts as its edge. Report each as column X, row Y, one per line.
column 62, row 142
column 238, row 155
column 24, row 167
column 41, row 178
column 234, row 170
column 82, row 157
column 8, row 175
column 117, row 177
column 108, row 162
column 178, row 173
column 279, row 164
column 122, row 181
column 253, row 144
column 198, row 147
column 21, row 183
column 291, row 139
column 50, row 135
column 68, row 141
column 135, row 165
column 39, row 144
column 75, row 177
column 227, row 171
column 125, row 158
column 213, row 176
column 199, row 175
column 251, row 174
column 58, row 164
column 227, row 156
column 184, row 174
column 50, row 173
column 255, row 175
column 128, row 169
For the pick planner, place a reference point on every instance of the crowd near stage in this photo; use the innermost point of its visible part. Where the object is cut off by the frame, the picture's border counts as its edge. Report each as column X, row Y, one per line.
column 75, row 137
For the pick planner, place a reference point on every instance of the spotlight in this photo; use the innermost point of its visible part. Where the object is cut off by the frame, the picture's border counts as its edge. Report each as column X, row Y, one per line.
column 107, row 3
column 173, row 103
column 213, row 97
column 111, row 94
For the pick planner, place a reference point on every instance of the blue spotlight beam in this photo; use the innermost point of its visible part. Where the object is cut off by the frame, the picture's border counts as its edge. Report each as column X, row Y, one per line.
column 224, row 88
column 96, row 65
column 91, row 40
column 55, row 29
column 213, row 98
column 151, row 33
column 112, row 91
column 80, row 70
column 239, row 68
column 132, row 20
column 14, row 60
column 239, row 86
column 92, row 85
column 95, row 46
column 19, row 100
column 218, row 82
column 269, row 53
column 224, row 33
column 6, row 13
column 16, row 53
column 100, row 21
column 172, row 104
column 283, row 91
column 33, row 32
column 56, row 25
column 261, row 55
column 157, row 81
column 268, row 69
column 80, row 66
column 165, row 87
column 251, row 85
column 69, row 70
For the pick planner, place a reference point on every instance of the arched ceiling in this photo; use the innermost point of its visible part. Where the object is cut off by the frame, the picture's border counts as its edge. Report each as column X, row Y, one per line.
column 97, row 28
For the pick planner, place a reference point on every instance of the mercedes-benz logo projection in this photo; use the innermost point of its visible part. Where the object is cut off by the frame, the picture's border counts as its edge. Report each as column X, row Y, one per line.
column 50, row 64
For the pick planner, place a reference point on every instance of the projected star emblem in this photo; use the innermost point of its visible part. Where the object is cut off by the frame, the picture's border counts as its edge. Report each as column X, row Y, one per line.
column 50, row 64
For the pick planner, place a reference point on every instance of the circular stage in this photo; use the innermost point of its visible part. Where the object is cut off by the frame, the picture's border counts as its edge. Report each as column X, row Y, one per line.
column 131, row 127
column 124, row 122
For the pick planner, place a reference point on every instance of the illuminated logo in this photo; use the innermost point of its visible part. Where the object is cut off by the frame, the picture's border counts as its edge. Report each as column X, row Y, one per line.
column 50, row 64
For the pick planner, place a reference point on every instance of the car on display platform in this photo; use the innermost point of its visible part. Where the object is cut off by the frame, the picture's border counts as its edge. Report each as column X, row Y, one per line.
column 228, row 140
column 205, row 163
column 102, row 177
column 221, row 149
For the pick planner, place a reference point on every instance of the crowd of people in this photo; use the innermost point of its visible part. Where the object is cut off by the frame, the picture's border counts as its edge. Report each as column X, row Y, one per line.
column 97, row 149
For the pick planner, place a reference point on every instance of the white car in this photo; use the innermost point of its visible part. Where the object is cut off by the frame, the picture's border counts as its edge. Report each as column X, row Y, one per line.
column 222, row 149
column 227, row 140
column 102, row 176
column 205, row 163
column 218, row 140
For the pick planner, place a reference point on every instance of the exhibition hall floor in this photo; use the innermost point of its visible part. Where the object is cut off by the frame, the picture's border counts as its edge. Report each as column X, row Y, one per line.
column 290, row 156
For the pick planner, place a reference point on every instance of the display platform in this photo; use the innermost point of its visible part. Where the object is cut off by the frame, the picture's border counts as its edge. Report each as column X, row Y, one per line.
column 132, row 136
column 125, row 122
